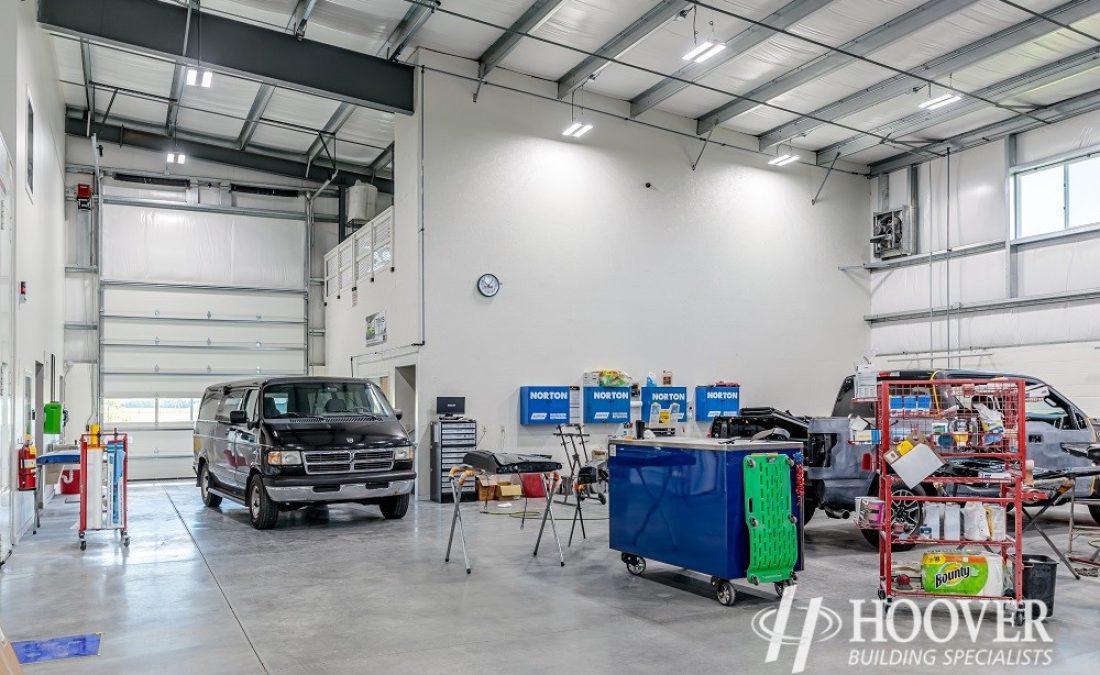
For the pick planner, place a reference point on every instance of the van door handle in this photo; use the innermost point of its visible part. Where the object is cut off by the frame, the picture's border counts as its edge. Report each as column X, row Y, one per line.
column 1034, row 438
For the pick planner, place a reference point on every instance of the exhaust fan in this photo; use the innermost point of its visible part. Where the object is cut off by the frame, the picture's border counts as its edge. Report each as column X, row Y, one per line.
column 892, row 233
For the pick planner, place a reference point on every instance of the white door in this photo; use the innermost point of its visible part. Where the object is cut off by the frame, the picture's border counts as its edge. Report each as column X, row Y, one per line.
column 7, row 355
column 189, row 300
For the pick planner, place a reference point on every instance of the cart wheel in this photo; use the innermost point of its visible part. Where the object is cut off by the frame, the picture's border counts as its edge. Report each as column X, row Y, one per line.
column 725, row 593
column 636, row 565
column 779, row 587
column 881, row 594
column 1018, row 618
column 603, row 498
column 794, row 577
column 83, row 544
column 126, row 541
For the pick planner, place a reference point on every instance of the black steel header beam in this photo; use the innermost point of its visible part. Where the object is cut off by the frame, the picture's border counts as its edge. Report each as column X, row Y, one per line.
column 279, row 59
column 136, row 138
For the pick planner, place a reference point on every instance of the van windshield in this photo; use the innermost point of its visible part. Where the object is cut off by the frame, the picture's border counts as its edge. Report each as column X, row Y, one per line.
column 324, row 399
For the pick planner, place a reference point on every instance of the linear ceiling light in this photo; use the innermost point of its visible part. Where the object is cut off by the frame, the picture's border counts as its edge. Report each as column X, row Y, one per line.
column 193, row 78
column 703, row 51
column 939, row 101
column 176, row 158
column 577, row 129
column 784, row 160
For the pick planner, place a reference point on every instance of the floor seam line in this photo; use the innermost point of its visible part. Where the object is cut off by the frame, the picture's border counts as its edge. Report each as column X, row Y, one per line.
column 217, row 583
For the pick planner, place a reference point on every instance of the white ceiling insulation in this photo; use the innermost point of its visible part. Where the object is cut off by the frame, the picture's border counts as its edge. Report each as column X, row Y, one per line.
column 586, row 25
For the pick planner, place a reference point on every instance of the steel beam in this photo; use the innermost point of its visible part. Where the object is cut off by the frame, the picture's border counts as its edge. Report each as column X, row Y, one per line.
column 941, row 66
column 871, row 41
column 781, row 19
column 302, row 11
column 536, row 15
column 339, row 117
column 223, row 154
column 1055, row 112
column 988, row 306
column 1005, row 89
column 658, row 15
column 259, row 105
column 413, row 21
column 275, row 58
column 383, row 158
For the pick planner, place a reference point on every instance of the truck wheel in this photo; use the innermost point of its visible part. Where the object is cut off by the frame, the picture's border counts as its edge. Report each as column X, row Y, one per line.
column 261, row 510
column 808, row 508
column 1095, row 511
column 394, row 508
column 205, row 479
column 910, row 513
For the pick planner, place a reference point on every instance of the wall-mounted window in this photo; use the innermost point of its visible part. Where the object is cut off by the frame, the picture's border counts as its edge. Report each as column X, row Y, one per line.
column 30, row 147
column 150, row 412
column 1058, row 197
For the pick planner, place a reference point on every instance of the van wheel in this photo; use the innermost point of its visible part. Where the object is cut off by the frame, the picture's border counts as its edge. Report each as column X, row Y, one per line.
column 261, row 510
column 394, row 508
column 205, row 479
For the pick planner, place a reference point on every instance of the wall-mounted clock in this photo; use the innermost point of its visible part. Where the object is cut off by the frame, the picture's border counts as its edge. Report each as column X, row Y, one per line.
column 488, row 285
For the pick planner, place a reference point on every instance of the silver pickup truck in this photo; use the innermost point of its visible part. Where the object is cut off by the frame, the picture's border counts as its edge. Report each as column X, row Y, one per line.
column 1059, row 436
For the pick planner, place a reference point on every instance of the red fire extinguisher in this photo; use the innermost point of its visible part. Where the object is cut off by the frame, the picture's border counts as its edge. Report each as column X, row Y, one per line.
column 28, row 477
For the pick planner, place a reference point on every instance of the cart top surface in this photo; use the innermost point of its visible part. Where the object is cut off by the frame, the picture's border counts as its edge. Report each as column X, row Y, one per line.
column 712, row 444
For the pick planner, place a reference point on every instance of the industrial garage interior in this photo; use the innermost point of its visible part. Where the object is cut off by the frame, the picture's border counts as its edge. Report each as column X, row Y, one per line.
column 609, row 336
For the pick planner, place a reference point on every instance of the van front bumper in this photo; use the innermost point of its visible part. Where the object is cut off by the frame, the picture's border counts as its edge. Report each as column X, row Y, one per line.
column 341, row 488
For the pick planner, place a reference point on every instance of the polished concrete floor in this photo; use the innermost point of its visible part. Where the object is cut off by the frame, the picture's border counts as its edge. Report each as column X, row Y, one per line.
column 343, row 591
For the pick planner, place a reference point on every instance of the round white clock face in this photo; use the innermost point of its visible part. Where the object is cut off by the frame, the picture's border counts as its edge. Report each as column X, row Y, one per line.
column 488, row 285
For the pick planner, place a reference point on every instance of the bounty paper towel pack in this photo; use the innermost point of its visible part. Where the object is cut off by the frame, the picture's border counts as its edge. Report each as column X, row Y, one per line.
column 962, row 573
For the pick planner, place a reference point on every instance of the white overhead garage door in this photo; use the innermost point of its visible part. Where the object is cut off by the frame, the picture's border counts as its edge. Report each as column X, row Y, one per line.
column 191, row 299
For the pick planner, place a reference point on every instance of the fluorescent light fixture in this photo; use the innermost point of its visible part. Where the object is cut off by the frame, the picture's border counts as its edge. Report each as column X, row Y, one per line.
column 783, row 160
column 577, row 129
column 940, row 101
column 709, row 53
column 171, row 158
column 181, row 158
column 698, row 49
column 204, row 80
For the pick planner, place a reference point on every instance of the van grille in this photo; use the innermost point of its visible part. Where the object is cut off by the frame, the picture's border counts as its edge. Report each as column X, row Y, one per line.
column 348, row 461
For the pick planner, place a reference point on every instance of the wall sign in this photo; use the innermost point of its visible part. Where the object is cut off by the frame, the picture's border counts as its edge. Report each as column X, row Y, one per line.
column 711, row 402
column 376, row 328
column 544, row 405
column 664, row 397
column 606, row 405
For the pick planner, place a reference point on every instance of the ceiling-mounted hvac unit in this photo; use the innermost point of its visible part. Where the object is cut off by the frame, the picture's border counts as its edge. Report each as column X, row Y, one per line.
column 893, row 233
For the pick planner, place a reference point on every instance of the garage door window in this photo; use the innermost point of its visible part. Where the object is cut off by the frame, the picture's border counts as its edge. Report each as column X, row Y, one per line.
column 152, row 412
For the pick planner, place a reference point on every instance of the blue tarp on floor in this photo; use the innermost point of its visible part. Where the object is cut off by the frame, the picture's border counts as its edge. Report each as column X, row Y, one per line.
column 35, row 651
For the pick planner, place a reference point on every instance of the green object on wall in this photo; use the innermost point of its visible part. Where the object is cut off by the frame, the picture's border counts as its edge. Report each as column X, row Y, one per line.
column 51, row 419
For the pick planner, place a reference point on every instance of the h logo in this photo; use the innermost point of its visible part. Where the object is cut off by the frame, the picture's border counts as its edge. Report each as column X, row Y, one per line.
column 776, row 633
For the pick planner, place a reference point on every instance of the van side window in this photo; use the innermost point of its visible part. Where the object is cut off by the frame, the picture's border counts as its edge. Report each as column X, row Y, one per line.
column 232, row 401
column 209, row 408
column 252, row 405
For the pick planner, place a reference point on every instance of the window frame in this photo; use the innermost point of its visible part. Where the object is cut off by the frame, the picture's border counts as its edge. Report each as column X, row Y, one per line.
column 1064, row 162
column 157, row 424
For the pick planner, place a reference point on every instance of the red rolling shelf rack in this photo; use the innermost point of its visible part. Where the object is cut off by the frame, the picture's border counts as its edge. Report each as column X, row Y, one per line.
column 913, row 406
column 104, row 470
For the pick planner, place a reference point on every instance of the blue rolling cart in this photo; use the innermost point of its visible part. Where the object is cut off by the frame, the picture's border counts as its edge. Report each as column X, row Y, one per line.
column 682, row 501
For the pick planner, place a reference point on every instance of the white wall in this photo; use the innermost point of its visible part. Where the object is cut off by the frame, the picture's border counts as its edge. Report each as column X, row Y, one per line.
column 29, row 70
column 727, row 272
column 1053, row 341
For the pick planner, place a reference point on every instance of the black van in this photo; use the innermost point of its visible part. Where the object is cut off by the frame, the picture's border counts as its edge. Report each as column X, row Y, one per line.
column 278, row 444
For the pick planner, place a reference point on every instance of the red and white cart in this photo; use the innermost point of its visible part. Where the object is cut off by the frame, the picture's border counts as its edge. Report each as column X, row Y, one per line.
column 103, row 471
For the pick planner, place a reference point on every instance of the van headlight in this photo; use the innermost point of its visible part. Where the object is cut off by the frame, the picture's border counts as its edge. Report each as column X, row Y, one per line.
column 403, row 452
column 284, row 457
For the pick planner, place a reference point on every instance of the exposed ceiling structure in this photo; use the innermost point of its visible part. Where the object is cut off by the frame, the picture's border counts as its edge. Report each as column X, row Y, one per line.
column 840, row 78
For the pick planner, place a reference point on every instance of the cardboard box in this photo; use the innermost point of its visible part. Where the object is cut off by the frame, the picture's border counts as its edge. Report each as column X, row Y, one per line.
column 509, row 490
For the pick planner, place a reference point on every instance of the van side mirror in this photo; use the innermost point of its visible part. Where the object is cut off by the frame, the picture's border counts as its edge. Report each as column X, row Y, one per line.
column 238, row 417
column 397, row 413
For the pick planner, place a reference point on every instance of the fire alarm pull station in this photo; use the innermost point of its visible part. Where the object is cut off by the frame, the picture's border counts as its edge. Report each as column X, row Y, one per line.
column 83, row 196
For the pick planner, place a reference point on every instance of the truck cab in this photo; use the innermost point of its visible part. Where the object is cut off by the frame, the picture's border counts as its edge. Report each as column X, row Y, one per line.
column 279, row 444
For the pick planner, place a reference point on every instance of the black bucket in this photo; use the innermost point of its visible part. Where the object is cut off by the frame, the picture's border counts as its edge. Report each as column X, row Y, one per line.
column 1040, row 573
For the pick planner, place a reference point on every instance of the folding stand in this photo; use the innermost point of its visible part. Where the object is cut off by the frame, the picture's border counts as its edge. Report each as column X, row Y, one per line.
column 549, row 481
column 578, row 514
column 573, row 433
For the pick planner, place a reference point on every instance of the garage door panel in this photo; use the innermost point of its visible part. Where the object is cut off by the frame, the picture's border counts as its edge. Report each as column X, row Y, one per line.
column 160, row 454
column 138, row 332
column 195, row 303
column 162, row 245
column 152, row 359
